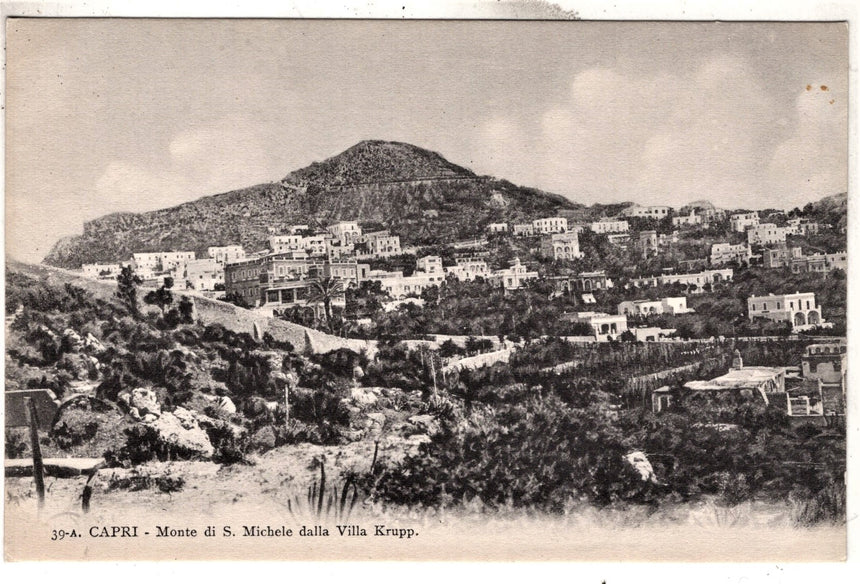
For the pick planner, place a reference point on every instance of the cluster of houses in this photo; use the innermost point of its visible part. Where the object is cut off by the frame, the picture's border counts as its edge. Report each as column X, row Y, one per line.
column 814, row 392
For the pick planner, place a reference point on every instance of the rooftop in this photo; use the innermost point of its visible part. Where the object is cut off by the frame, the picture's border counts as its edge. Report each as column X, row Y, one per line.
column 744, row 378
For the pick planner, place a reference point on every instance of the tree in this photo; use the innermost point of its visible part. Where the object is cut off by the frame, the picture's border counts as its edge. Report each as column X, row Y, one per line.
column 126, row 289
column 325, row 290
column 163, row 297
column 186, row 310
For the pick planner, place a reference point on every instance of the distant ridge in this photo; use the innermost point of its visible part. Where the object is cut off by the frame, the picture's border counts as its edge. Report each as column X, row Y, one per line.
column 415, row 192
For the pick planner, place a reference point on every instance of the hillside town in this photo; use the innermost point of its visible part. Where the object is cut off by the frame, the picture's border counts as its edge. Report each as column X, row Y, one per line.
column 310, row 273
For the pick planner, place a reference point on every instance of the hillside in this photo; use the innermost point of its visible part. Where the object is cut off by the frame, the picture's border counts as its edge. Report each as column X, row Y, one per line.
column 832, row 210
column 416, row 193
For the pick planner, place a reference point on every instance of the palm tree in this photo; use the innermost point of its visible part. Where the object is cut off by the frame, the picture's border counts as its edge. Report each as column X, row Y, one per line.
column 324, row 290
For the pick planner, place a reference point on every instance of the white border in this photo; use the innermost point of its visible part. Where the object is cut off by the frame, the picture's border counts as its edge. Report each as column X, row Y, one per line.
column 794, row 10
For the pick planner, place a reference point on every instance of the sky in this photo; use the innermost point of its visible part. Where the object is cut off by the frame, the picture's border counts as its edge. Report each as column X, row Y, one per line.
column 134, row 115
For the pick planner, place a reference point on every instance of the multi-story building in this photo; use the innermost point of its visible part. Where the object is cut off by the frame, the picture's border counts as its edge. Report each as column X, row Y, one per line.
column 286, row 243
column 524, row 229
column 224, row 254
column 513, row 277
column 468, row 269
column 604, row 326
column 430, row 264
column 799, row 309
column 148, row 265
column 379, row 244
column 740, row 221
column 609, row 226
column 726, row 253
column 102, row 271
column 648, row 212
column 765, row 234
column 669, row 305
column 779, row 257
column 251, row 278
column 497, row 228
column 204, row 274
column 550, row 225
column 799, row 226
column 346, row 232
column 561, row 246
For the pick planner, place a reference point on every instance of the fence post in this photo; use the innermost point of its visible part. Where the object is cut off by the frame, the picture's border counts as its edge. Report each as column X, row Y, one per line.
column 38, row 467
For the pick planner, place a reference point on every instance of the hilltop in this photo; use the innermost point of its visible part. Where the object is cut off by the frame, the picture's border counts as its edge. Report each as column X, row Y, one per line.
column 415, row 192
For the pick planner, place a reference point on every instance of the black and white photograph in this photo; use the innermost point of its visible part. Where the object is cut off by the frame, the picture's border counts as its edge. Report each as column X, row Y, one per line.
column 478, row 290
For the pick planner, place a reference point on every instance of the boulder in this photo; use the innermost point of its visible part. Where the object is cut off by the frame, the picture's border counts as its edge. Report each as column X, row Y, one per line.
column 93, row 344
column 181, row 430
column 140, row 402
column 640, row 463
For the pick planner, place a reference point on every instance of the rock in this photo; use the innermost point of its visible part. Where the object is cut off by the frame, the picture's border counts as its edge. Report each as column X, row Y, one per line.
column 93, row 344
column 222, row 404
column 73, row 340
column 364, row 396
column 425, row 424
column 181, row 430
column 640, row 463
column 141, row 399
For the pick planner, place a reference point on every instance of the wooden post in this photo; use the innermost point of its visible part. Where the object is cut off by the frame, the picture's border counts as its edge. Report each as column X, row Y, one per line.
column 38, row 467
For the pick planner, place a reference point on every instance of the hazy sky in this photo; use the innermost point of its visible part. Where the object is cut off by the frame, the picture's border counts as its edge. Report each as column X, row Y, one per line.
column 134, row 115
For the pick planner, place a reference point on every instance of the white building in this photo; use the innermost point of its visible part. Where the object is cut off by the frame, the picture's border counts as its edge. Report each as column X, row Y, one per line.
column 609, row 226
column 550, row 225
column 651, row 211
column 102, row 271
column 561, row 246
column 468, row 269
column 740, row 221
column 687, row 220
column 765, row 234
column 147, row 265
column 524, row 229
column 668, row 305
column 497, row 228
column 204, row 274
column 726, row 253
column 347, row 232
column 380, row 244
column 513, row 277
column 286, row 243
column 605, row 326
column 699, row 279
column 224, row 254
column 430, row 264
column 799, row 309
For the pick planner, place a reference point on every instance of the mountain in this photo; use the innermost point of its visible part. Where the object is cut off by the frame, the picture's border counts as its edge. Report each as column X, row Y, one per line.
column 412, row 191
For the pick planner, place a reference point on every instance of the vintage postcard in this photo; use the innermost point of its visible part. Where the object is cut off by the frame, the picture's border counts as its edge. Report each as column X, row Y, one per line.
column 426, row 290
